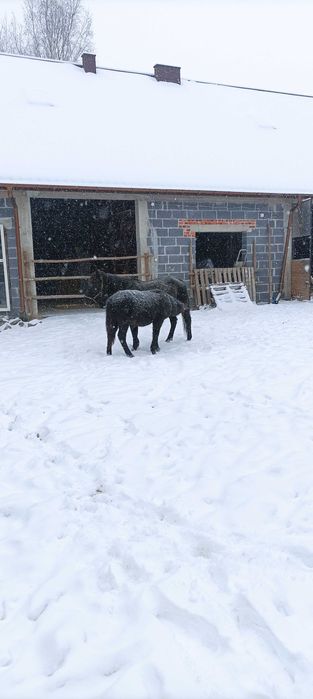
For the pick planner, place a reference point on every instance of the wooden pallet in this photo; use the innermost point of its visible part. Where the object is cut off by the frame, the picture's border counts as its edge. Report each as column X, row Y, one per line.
column 230, row 294
column 203, row 278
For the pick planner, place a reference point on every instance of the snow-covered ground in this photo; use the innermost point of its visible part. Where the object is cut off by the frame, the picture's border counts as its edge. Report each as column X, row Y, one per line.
column 156, row 513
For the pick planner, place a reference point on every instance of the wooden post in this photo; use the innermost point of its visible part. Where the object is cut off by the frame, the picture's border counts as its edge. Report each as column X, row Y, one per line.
column 146, row 265
column 142, row 229
column 285, row 255
column 27, row 251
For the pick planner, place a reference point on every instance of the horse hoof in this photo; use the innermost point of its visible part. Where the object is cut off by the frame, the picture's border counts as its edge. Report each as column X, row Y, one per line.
column 169, row 339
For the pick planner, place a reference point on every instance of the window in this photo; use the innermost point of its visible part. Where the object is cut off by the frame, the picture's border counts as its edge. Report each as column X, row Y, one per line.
column 4, row 284
column 301, row 247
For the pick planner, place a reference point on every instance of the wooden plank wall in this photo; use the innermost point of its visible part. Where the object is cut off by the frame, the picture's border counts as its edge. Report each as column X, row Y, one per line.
column 300, row 279
column 202, row 278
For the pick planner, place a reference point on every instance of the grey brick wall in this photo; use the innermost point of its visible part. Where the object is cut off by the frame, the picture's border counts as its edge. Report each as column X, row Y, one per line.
column 7, row 219
column 171, row 249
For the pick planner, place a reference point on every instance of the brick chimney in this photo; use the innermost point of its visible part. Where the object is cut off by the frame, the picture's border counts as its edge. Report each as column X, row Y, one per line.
column 167, row 74
column 89, row 62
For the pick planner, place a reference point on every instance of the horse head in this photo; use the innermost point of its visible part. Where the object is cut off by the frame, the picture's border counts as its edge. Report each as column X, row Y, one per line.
column 95, row 287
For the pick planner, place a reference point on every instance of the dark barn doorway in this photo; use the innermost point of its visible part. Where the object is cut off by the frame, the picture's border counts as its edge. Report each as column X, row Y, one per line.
column 217, row 249
column 67, row 229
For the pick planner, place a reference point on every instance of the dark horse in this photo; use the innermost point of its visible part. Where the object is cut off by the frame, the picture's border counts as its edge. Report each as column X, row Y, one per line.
column 133, row 308
column 101, row 285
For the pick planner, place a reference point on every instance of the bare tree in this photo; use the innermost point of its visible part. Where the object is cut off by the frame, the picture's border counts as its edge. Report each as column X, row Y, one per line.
column 58, row 29
column 11, row 36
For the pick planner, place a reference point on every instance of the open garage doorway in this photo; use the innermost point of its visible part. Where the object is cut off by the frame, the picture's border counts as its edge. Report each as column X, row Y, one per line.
column 218, row 249
column 65, row 230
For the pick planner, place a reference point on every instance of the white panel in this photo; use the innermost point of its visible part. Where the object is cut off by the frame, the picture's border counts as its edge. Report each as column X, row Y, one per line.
column 4, row 296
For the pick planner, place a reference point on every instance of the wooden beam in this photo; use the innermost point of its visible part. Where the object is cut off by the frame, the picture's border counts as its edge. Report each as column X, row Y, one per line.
column 84, row 259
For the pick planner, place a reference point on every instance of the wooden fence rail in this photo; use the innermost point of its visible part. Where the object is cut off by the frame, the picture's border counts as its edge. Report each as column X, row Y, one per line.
column 144, row 271
column 87, row 259
column 202, row 278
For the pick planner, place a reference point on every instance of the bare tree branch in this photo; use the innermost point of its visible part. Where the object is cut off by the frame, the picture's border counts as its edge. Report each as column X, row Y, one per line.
column 60, row 29
column 12, row 36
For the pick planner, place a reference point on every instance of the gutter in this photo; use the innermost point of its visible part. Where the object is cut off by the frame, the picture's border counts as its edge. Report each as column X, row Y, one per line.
column 150, row 191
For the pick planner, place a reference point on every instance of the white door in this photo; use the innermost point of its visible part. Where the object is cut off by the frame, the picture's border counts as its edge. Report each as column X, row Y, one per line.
column 4, row 283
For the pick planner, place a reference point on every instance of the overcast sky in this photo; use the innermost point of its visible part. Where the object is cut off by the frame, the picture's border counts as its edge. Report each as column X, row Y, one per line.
column 259, row 43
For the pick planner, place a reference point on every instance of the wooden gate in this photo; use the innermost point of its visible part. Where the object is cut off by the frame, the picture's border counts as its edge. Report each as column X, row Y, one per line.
column 202, row 278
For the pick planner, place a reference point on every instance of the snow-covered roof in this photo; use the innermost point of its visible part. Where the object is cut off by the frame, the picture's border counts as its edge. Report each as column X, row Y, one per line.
column 62, row 126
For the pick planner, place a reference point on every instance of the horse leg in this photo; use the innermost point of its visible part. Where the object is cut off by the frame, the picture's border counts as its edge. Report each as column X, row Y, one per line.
column 187, row 323
column 134, row 332
column 157, row 324
column 111, row 332
column 173, row 321
column 122, row 338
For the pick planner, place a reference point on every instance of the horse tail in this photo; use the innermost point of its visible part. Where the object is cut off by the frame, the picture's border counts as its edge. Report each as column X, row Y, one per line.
column 187, row 323
column 185, row 314
column 184, row 323
column 183, row 297
column 111, row 324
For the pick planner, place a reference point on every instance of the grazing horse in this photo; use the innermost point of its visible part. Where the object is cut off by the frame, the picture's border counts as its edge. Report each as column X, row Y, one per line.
column 101, row 285
column 133, row 308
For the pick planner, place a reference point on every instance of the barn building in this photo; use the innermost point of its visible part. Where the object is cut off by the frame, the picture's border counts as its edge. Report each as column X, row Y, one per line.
column 148, row 174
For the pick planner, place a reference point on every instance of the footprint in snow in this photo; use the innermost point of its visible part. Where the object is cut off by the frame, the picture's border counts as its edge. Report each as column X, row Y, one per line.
column 282, row 607
column 41, row 600
column 52, row 654
column 194, row 625
column 5, row 659
column 128, row 563
column 106, row 579
column 203, row 547
column 153, row 682
column 2, row 610
column 249, row 618
column 304, row 555
column 120, row 659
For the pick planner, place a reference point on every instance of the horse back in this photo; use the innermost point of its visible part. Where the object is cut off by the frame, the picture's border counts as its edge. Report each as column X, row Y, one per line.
column 171, row 285
column 139, row 308
column 177, row 288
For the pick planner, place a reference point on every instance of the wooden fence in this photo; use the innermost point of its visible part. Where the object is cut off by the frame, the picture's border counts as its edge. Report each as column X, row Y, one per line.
column 143, row 264
column 202, row 278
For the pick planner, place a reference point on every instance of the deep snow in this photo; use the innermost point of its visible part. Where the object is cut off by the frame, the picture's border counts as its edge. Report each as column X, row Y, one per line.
column 124, row 130
column 156, row 513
